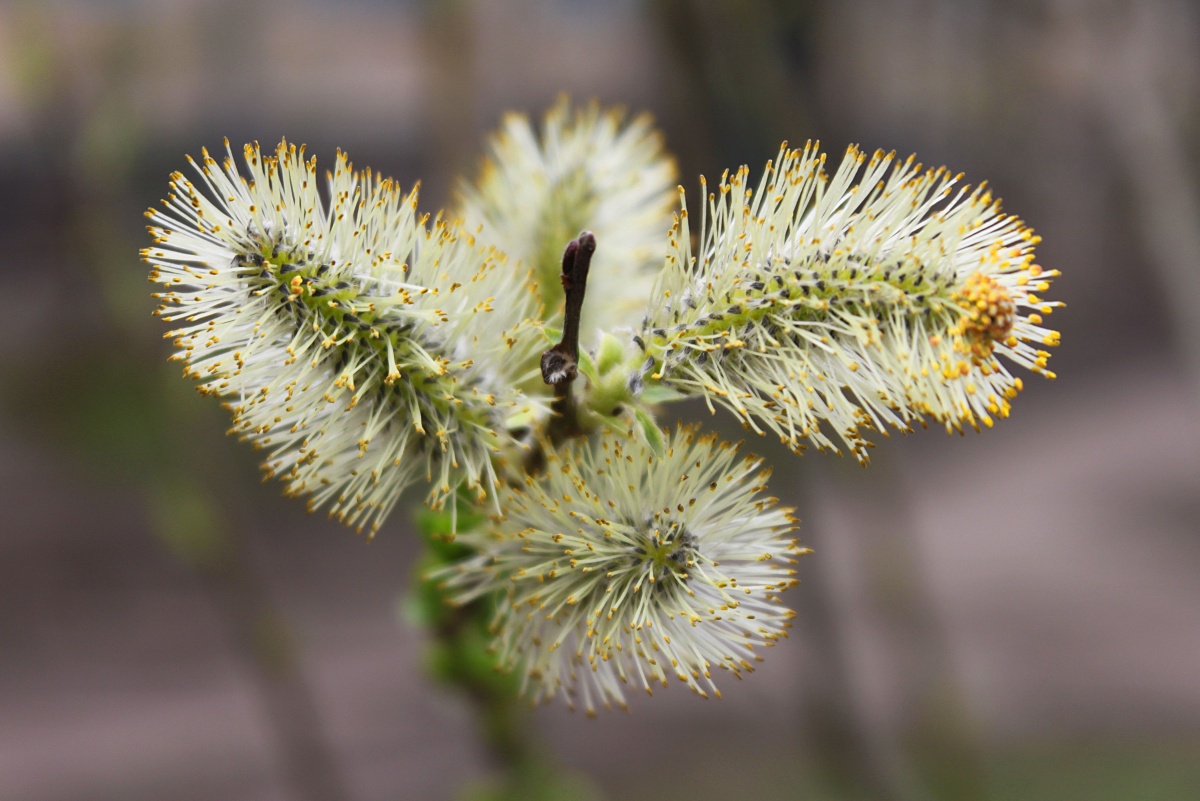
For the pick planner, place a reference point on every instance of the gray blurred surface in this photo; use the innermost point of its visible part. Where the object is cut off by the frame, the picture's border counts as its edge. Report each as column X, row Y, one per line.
column 1042, row 580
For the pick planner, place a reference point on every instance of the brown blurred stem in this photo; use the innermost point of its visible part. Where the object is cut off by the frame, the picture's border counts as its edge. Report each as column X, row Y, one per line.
column 265, row 643
column 85, row 199
column 505, row 722
column 504, row 718
column 462, row 656
column 1149, row 146
column 856, row 763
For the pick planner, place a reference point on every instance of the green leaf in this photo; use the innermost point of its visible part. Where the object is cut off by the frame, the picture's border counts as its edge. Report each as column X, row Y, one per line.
column 588, row 367
column 613, row 423
column 657, row 393
column 650, row 430
column 610, row 354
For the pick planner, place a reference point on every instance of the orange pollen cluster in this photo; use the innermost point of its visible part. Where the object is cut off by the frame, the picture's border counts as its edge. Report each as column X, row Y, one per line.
column 989, row 316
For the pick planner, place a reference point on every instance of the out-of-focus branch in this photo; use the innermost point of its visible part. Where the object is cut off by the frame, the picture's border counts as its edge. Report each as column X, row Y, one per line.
column 1150, row 149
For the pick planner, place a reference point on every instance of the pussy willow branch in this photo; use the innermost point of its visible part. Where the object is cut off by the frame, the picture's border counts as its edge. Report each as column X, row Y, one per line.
column 505, row 725
column 560, row 363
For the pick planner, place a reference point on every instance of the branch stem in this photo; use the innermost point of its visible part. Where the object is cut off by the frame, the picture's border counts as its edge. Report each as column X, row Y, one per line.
column 560, row 364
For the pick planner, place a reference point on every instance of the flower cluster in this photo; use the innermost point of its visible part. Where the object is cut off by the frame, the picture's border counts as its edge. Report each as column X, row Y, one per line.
column 365, row 347
column 816, row 306
column 354, row 342
column 622, row 565
column 588, row 169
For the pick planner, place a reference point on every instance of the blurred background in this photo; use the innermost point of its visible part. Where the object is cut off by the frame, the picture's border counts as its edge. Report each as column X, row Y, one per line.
column 1013, row 615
